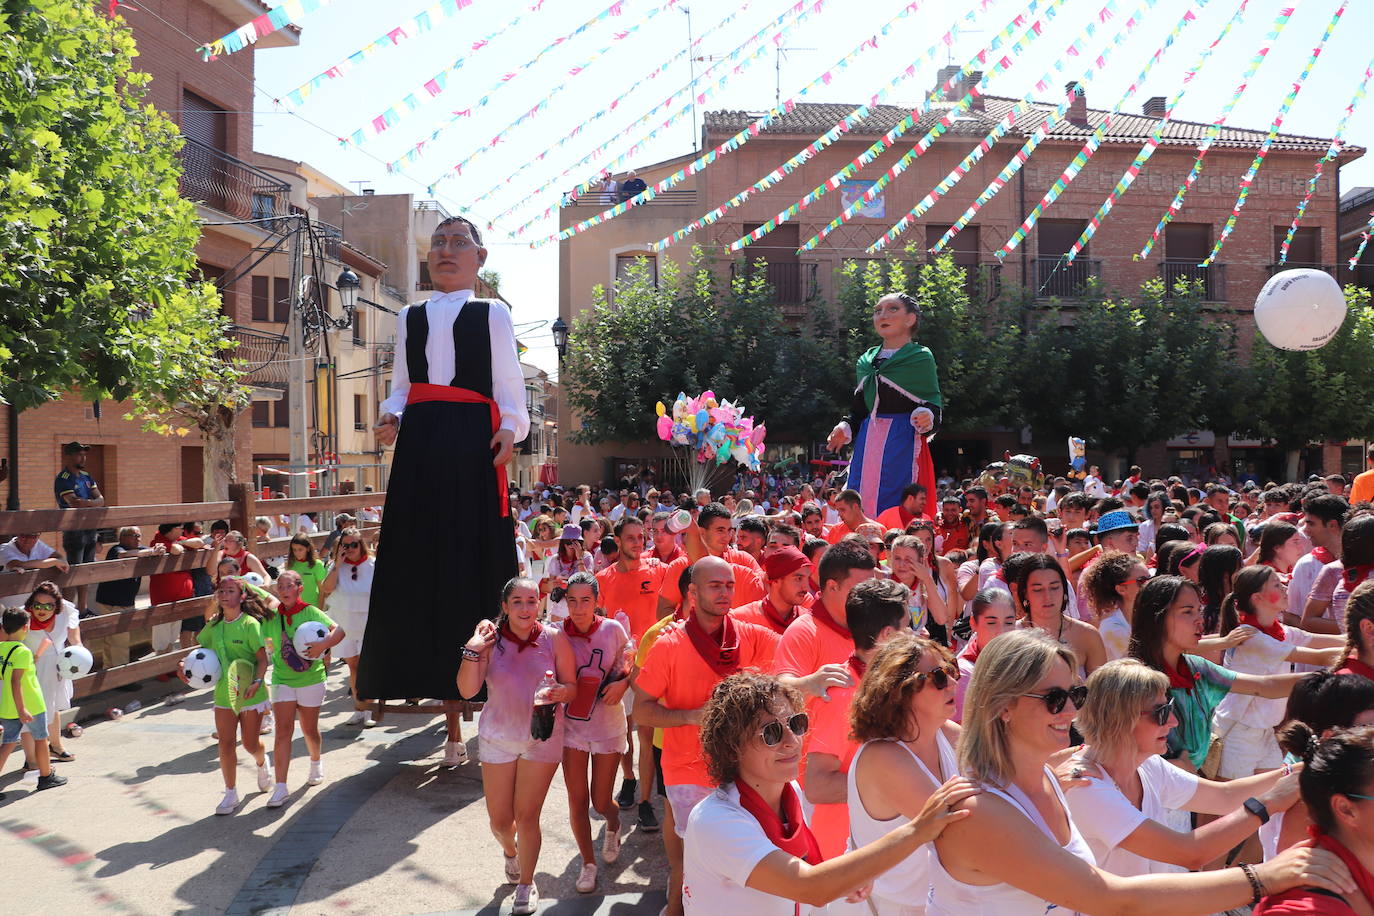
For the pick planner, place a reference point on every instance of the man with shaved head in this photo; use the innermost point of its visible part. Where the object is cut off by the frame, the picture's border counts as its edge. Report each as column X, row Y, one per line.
column 682, row 669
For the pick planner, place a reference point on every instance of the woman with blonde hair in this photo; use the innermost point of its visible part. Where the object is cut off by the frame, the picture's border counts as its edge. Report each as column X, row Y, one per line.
column 1016, row 717
column 234, row 546
column 347, row 595
column 901, row 712
column 1124, row 807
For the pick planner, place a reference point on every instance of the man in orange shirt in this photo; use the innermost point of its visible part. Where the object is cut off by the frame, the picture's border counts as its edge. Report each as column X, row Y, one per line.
column 876, row 610
column 913, row 505
column 814, row 647
column 1362, row 489
column 665, row 546
column 789, row 585
column 710, row 535
column 682, row 669
column 850, row 505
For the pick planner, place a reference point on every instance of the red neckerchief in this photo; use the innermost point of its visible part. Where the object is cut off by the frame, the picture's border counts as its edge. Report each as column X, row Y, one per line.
column 1183, row 677
column 571, row 628
column 234, row 556
column 778, row 619
column 300, row 606
column 792, row 836
column 36, row 624
column 357, row 562
column 972, row 650
column 858, row 666
column 1323, row 555
column 1275, row 629
column 1363, row 879
column 1354, row 575
column 677, row 552
column 523, row 644
column 822, row 614
column 1353, row 665
column 720, row 651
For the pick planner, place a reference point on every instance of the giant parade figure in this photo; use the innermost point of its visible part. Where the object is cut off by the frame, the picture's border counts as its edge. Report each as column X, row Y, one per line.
column 894, row 411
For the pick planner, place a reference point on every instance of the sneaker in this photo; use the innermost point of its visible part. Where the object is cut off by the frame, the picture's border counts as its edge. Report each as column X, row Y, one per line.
column 610, row 846
column 526, row 899
column 265, row 775
column 455, row 754
column 629, row 789
column 30, row 778
column 586, row 879
column 266, row 728
column 51, row 781
column 648, row 820
column 512, row 868
column 316, row 773
column 230, row 802
column 360, row 717
column 279, row 796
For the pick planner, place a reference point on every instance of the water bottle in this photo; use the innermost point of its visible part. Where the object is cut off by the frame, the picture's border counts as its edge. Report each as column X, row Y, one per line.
column 544, row 713
column 678, row 522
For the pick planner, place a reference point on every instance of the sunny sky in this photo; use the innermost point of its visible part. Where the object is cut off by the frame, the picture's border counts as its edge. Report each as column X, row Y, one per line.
column 659, row 35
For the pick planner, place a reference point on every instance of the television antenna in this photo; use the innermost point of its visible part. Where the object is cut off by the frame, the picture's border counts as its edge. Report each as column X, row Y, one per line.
column 777, row 72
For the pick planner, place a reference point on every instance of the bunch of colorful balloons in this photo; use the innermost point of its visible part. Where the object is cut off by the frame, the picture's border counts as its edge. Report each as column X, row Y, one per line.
column 712, row 430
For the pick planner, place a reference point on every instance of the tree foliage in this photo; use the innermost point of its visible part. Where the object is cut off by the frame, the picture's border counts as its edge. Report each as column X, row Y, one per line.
column 96, row 292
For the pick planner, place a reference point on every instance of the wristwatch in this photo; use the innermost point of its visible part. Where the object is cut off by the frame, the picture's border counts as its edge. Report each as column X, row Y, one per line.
column 1256, row 807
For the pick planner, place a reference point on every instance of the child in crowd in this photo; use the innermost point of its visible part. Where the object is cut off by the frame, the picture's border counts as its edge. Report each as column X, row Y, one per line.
column 22, row 713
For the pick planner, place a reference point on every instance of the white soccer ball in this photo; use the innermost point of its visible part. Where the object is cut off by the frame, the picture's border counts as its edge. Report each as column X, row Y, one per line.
column 202, row 668
column 75, row 662
column 253, row 578
column 1300, row 309
column 307, row 634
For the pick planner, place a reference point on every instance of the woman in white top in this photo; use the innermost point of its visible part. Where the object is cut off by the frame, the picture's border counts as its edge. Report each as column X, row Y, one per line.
column 748, row 848
column 53, row 618
column 1246, row 724
column 1130, row 788
column 347, row 594
column 901, row 712
column 1019, row 853
column 1110, row 585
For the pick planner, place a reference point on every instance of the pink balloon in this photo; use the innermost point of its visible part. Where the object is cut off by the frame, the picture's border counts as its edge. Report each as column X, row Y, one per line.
column 757, row 436
column 665, row 427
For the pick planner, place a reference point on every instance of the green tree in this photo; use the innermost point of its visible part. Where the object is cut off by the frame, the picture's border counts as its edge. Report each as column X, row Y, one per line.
column 96, row 295
column 1295, row 398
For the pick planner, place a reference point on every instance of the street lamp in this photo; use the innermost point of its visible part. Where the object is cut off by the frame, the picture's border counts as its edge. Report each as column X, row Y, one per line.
column 560, row 337
column 348, row 285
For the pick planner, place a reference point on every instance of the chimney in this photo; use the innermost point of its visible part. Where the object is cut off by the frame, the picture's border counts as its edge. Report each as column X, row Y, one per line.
column 1154, row 107
column 973, row 79
column 1078, row 108
column 944, row 76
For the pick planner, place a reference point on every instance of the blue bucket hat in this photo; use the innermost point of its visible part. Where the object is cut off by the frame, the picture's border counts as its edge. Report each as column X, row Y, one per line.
column 1116, row 520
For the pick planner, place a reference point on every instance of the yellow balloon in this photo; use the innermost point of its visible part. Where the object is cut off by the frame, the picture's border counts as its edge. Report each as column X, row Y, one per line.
column 691, row 422
column 660, row 408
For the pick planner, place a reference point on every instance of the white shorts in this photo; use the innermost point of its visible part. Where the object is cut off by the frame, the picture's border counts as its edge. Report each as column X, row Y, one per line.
column 615, row 745
column 505, row 750
column 312, row 696
column 684, row 799
column 262, row 708
column 1246, row 749
column 352, row 643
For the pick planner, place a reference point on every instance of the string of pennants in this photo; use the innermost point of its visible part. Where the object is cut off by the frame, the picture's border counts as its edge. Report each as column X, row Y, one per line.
column 290, row 12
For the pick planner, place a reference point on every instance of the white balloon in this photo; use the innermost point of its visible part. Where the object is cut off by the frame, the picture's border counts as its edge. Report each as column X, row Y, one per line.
column 74, row 662
column 1300, row 309
column 202, row 668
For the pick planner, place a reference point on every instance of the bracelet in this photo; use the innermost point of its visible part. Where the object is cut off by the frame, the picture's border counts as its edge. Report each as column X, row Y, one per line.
column 471, row 655
column 1256, row 887
column 1287, row 769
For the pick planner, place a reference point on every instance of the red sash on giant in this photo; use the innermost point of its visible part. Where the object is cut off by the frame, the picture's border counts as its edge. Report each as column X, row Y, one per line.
column 423, row 391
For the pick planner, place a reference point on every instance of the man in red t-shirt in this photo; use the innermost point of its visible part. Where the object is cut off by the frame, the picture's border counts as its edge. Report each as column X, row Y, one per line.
column 913, row 505
column 850, row 505
column 876, row 610
column 710, row 535
column 950, row 528
column 682, row 669
column 813, row 521
column 665, row 546
column 789, row 575
column 631, row 584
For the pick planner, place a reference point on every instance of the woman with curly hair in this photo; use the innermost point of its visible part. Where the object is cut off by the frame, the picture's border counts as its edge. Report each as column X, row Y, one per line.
column 1111, row 585
column 749, row 849
column 901, row 713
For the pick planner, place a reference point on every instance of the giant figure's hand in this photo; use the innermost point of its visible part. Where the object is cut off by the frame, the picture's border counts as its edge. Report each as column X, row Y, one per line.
column 839, row 438
column 388, row 425
column 504, row 444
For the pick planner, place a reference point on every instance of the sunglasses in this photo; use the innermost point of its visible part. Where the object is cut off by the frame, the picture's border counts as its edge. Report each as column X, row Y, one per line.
column 44, row 607
column 349, row 545
column 939, row 678
column 772, row 733
column 1056, row 697
column 1139, row 580
column 1162, row 712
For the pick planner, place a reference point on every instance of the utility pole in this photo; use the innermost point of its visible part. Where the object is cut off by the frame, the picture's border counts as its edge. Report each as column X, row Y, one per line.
column 692, row 73
column 295, row 330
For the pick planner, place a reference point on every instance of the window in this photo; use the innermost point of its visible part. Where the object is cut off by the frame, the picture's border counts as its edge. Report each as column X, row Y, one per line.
column 1306, row 247
column 264, row 205
column 359, row 412
column 1187, row 242
column 283, row 410
column 424, row 282
column 281, row 299
column 1056, row 236
column 262, row 299
column 964, row 247
column 262, row 413
column 624, row 263
column 359, row 328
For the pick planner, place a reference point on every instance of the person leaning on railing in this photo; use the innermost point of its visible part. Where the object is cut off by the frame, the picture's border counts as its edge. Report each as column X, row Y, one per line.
column 118, row 596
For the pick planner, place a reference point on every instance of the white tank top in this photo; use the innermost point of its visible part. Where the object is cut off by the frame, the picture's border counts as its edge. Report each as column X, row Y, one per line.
column 908, row 883
column 951, row 897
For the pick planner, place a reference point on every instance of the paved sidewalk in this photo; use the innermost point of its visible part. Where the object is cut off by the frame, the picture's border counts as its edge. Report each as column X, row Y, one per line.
column 389, row 832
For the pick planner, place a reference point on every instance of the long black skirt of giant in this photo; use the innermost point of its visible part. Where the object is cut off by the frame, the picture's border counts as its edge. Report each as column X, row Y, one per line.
column 444, row 554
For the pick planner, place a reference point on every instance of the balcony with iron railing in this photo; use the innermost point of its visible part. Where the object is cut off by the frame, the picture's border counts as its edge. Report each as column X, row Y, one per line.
column 1212, row 278
column 262, row 355
column 1060, row 279
column 982, row 281
column 794, row 283
column 216, row 179
column 1332, row 269
column 599, row 200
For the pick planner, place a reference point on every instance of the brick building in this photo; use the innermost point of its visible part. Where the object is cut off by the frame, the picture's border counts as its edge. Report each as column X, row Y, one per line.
column 807, row 281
